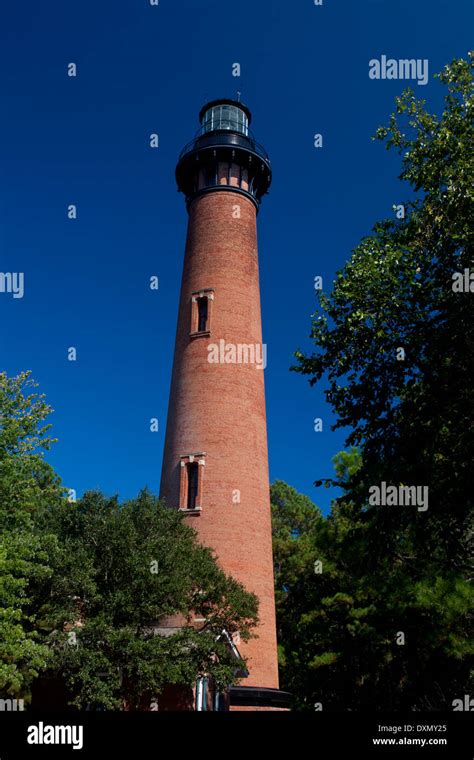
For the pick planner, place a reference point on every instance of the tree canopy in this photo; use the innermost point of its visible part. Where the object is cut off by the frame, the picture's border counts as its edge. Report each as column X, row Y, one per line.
column 27, row 486
column 388, row 623
column 120, row 570
column 85, row 585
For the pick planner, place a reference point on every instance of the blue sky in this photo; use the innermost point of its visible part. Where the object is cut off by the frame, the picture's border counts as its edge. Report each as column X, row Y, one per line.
column 84, row 140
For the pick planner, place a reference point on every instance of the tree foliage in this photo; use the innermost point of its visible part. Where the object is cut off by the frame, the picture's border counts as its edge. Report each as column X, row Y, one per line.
column 28, row 486
column 398, row 570
column 120, row 570
column 85, row 585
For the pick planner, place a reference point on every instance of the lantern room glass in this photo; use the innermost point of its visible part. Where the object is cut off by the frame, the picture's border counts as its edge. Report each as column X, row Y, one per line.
column 226, row 117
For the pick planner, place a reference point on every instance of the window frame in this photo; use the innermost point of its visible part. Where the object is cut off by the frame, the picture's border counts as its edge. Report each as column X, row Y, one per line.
column 208, row 293
column 193, row 485
column 186, row 460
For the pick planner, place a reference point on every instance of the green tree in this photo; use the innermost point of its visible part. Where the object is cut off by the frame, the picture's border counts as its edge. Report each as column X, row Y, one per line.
column 84, row 585
column 120, row 569
column 294, row 519
column 28, row 486
column 394, row 345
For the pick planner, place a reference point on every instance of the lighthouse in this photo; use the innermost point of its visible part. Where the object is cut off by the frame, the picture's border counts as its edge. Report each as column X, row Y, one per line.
column 215, row 463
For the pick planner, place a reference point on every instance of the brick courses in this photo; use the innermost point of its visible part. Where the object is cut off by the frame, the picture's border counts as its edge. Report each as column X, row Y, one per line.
column 219, row 409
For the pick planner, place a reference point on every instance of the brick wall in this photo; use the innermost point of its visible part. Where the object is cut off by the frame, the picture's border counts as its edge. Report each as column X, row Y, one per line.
column 219, row 409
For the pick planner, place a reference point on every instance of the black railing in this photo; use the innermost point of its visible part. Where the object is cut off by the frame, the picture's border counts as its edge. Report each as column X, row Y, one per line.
column 225, row 138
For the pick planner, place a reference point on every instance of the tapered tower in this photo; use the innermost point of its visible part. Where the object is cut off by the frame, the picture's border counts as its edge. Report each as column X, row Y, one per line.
column 215, row 465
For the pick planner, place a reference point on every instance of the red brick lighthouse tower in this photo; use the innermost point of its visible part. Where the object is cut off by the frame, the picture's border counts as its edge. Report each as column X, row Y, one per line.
column 215, row 465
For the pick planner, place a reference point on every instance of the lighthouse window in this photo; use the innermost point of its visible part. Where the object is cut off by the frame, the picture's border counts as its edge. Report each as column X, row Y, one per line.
column 225, row 117
column 202, row 313
column 193, row 480
column 211, row 174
